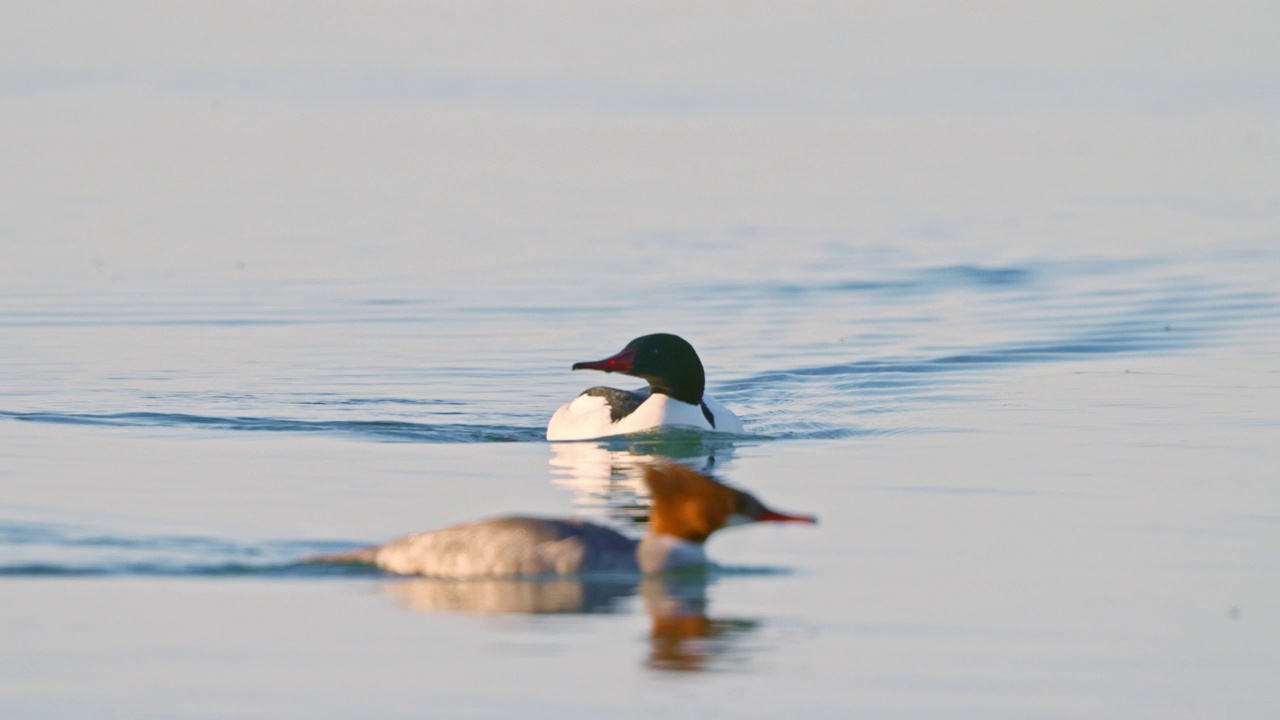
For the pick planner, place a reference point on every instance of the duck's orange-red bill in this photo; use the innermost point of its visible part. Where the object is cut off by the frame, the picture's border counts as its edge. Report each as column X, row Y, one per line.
column 622, row 362
column 772, row 516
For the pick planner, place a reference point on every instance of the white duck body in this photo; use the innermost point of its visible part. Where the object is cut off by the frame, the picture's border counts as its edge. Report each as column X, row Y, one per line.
column 591, row 416
column 675, row 396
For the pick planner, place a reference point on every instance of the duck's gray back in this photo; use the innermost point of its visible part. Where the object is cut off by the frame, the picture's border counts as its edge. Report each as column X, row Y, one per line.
column 510, row 547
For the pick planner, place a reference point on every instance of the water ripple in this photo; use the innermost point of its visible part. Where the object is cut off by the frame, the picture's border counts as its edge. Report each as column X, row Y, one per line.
column 291, row 569
column 812, row 359
column 58, row 549
column 385, row 430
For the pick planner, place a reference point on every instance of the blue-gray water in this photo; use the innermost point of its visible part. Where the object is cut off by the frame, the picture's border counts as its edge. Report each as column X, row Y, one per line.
column 995, row 290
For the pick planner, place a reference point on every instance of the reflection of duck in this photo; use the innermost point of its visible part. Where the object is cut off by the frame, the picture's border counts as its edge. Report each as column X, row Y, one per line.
column 511, row 595
column 687, row 507
column 606, row 483
column 607, row 476
column 674, row 397
column 683, row 638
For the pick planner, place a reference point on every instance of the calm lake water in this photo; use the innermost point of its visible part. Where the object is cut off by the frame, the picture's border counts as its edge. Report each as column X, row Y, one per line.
column 994, row 288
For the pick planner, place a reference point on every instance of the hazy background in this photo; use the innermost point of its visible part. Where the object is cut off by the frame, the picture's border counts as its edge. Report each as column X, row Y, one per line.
column 166, row 137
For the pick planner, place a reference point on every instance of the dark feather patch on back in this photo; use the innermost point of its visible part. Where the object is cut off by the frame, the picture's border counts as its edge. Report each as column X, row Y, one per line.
column 621, row 402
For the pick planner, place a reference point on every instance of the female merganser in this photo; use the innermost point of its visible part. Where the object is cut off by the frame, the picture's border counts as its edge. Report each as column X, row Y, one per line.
column 674, row 396
column 687, row 507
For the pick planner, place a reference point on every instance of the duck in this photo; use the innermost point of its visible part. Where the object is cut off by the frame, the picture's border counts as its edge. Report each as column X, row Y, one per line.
column 687, row 507
column 675, row 396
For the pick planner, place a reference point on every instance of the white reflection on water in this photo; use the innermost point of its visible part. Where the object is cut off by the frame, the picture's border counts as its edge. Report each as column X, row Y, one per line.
column 607, row 476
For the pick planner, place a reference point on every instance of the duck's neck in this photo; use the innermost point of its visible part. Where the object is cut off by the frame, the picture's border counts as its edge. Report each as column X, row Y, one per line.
column 689, row 394
column 685, row 385
column 660, row 553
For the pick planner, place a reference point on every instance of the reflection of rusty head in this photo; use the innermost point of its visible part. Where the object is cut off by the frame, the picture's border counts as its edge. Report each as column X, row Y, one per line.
column 683, row 638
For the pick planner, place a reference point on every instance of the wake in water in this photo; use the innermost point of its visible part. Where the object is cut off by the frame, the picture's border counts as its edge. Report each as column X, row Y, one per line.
column 55, row 550
column 913, row 348
column 48, row 549
column 145, row 569
column 387, row 431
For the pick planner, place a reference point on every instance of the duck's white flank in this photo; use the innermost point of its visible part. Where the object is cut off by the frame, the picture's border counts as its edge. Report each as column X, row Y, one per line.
column 661, row 553
column 588, row 416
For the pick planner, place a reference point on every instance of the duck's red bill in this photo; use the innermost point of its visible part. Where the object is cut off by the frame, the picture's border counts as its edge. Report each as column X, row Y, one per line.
column 622, row 362
column 773, row 516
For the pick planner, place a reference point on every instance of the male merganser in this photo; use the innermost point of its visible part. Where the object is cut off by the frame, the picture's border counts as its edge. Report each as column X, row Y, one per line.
column 674, row 396
column 687, row 507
